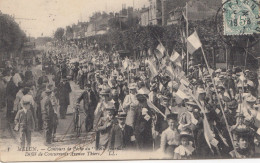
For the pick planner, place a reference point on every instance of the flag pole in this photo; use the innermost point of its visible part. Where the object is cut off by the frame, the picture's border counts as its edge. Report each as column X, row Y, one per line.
column 187, row 34
column 221, row 107
column 128, row 79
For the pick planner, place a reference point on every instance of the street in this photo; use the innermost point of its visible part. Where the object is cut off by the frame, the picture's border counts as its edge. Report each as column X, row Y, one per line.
column 65, row 135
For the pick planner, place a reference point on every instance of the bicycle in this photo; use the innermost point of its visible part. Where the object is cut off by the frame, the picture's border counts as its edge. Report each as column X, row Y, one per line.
column 77, row 120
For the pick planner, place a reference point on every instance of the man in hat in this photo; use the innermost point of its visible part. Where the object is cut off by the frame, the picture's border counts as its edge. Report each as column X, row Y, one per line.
column 11, row 91
column 2, row 92
column 202, row 99
column 64, row 91
column 142, row 123
column 130, row 103
column 105, row 125
column 115, row 99
column 153, row 94
column 189, row 119
column 43, row 79
column 48, row 116
column 89, row 103
column 248, row 109
column 121, row 137
column 121, row 87
column 103, row 102
column 24, row 122
column 170, row 137
column 80, row 77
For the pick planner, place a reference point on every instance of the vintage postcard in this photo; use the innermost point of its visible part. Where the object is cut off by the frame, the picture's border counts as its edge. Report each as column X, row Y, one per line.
column 129, row 80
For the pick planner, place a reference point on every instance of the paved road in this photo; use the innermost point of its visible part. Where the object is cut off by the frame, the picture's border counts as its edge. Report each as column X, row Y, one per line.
column 9, row 139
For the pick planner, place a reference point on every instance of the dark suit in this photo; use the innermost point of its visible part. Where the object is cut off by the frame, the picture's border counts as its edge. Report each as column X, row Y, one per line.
column 143, row 130
column 48, row 117
column 89, row 103
column 26, row 125
column 64, row 90
column 120, row 138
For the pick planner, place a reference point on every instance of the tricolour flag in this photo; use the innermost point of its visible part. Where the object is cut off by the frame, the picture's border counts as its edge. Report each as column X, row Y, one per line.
column 170, row 72
column 193, row 43
column 152, row 68
column 182, row 92
column 176, row 58
column 209, row 135
column 185, row 81
column 160, row 50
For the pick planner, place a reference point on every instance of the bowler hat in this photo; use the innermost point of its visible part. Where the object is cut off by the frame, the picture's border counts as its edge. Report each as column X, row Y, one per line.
column 172, row 116
column 232, row 104
column 141, row 97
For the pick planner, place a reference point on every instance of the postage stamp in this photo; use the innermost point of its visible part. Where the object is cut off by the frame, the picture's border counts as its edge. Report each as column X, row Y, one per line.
column 241, row 17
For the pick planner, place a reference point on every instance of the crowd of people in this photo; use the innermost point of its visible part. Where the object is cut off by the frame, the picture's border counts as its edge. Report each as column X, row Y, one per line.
column 132, row 104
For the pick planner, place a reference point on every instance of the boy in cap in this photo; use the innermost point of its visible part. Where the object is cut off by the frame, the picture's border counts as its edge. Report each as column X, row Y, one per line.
column 121, row 134
column 25, row 123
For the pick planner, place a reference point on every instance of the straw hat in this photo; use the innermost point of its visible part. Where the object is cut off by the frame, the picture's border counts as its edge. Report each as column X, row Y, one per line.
column 200, row 91
column 110, row 106
column 121, row 115
column 191, row 102
column 105, row 91
column 186, row 134
column 132, row 86
column 218, row 71
column 250, row 99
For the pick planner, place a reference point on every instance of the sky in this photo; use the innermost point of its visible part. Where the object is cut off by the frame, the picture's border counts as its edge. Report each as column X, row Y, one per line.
column 42, row 17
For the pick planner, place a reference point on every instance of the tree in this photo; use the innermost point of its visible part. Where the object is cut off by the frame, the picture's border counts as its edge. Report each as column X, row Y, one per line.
column 59, row 34
column 12, row 37
column 69, row 32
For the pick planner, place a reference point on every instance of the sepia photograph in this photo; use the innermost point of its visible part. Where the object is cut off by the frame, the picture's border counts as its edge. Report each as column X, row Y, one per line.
column 87, row 80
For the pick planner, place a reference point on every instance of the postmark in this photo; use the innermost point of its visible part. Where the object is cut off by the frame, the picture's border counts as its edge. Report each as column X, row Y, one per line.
column 241, row 17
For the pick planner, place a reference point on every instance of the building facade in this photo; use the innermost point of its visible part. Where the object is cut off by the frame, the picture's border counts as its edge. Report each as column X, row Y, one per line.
column 144, row 17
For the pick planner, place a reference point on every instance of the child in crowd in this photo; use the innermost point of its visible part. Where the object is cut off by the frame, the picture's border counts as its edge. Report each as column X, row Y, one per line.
column 185, row 149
